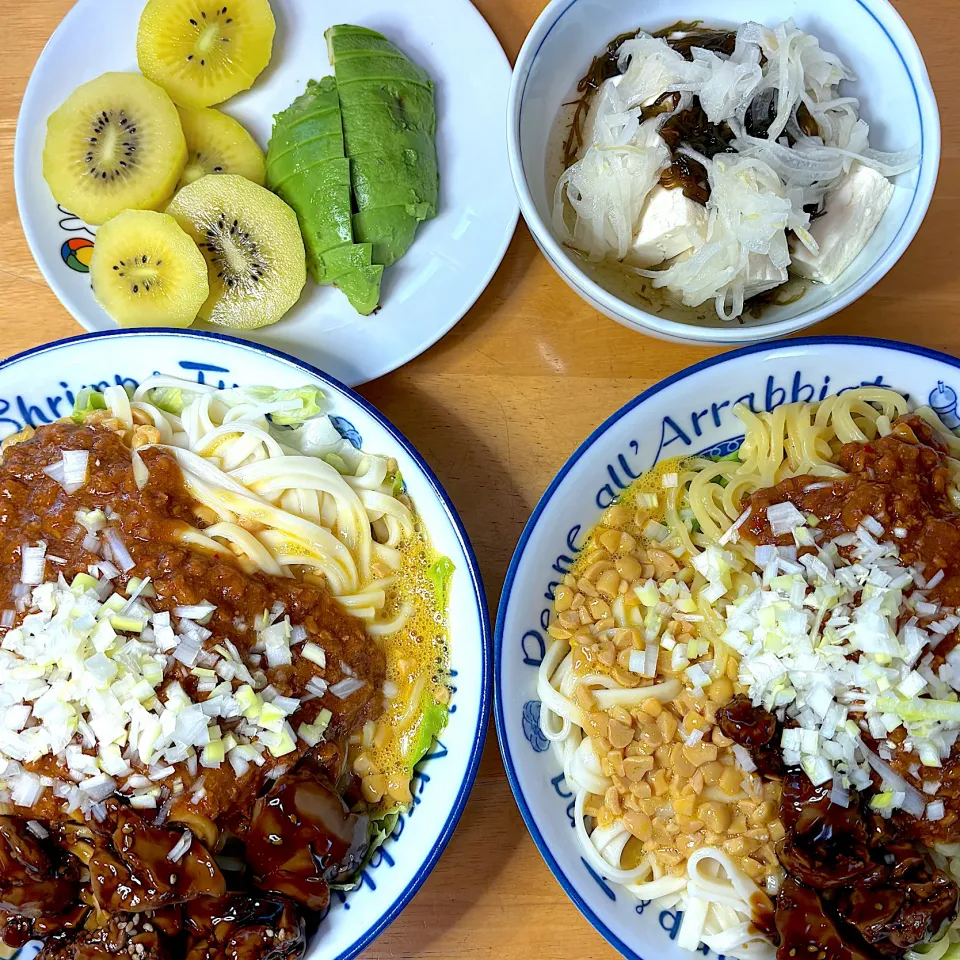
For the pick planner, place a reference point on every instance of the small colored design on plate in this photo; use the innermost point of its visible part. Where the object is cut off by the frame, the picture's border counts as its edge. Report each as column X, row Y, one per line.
column 77, row 253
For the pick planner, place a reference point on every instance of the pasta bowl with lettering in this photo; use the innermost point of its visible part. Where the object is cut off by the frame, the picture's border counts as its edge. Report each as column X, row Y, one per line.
column 577, row 544
column 98, row 375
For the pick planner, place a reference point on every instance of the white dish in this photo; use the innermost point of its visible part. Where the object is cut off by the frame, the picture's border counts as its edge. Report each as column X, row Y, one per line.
column 896, row 99
column 38, row 386
column 687, row 413
column 453, row 256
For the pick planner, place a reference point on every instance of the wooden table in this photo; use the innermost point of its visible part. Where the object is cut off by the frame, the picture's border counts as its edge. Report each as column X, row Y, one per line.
column 496, row 407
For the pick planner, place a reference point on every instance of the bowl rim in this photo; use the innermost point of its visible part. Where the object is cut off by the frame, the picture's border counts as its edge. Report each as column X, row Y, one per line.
column 498, row 705
column 459, row 531
column 905, row 44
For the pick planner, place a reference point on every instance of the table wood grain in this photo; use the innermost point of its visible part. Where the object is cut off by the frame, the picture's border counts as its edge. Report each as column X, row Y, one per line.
column 496, row 407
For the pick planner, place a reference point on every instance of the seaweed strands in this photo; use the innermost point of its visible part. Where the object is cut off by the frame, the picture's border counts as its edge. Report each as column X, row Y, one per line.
column 602, row 68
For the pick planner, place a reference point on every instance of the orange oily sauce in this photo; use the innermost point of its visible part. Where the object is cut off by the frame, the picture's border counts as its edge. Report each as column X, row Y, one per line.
column 417, row 666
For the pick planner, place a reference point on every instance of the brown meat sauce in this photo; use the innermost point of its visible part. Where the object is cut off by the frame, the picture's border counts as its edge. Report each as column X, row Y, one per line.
column 901, row 481
column 33, row 507
column 860, row 887
column 300, row 833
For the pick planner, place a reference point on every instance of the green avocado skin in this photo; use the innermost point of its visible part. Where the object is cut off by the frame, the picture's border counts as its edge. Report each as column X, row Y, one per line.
column 307, row 168
column 389, row 127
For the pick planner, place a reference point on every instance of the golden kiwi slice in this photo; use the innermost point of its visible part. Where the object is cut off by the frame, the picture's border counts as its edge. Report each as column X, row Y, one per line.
column 146, row 272
column 217, row 143
column 114, row 144
column 202, row 53
column 252, row 244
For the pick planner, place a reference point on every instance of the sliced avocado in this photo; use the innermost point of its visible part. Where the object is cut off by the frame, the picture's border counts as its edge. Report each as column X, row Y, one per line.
column 320, row 194
column 389, row 122
column 314, row 119
column 307, row 168
column 341, row 259
column 390, row 230
column 389, row 181
column 362, row 287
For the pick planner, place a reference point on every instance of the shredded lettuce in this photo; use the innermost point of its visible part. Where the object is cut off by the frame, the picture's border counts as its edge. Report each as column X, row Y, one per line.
column 87, row 402
column 383, row 823
column 440, row 574
column 730, row 457
column 310, row 398
column 336, row 462
column 169, row 399
column 434, row 719
column 952, row 952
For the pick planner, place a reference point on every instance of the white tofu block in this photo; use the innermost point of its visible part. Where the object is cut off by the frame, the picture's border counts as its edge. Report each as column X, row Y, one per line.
column 762, row 275
column 853, row 210
column 670, row 224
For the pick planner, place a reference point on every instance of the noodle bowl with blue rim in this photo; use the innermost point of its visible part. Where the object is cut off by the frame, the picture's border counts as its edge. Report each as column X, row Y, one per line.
column 745, row 677
column 225, row 654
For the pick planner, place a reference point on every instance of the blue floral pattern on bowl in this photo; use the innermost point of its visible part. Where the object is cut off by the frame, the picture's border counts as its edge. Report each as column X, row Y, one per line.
column 348, row 431
column 531, row 726
column 943, row 400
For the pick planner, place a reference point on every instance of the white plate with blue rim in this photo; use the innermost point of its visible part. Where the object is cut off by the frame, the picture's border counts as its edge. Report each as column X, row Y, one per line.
column 39, row 386
column 453, row 257
column 688, row 413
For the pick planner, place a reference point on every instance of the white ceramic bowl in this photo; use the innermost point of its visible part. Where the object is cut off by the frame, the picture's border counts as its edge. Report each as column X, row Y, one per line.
column 896, row 99
column 688, row 413
column 453, row 257
column 39, row 386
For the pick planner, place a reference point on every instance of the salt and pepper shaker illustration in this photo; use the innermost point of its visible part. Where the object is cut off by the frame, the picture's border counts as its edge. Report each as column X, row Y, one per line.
column 943, row 399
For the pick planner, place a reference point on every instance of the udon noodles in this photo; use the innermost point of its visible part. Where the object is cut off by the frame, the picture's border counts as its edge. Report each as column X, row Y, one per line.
column 635, row 682
column 222, row 653
column 277, row 508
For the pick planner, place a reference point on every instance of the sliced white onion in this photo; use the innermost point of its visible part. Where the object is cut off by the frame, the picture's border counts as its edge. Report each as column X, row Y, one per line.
column 121, row 554
column 239, row 764
column 913, row 799
column 180, row 847
column 199, row 612
column 187, row 651
column 75, row 464
column 28, row 790
column 744, row 760
column 344, row 688
column 783, row 518
column 732, row 532
column 33, row 564
column 141, row 472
